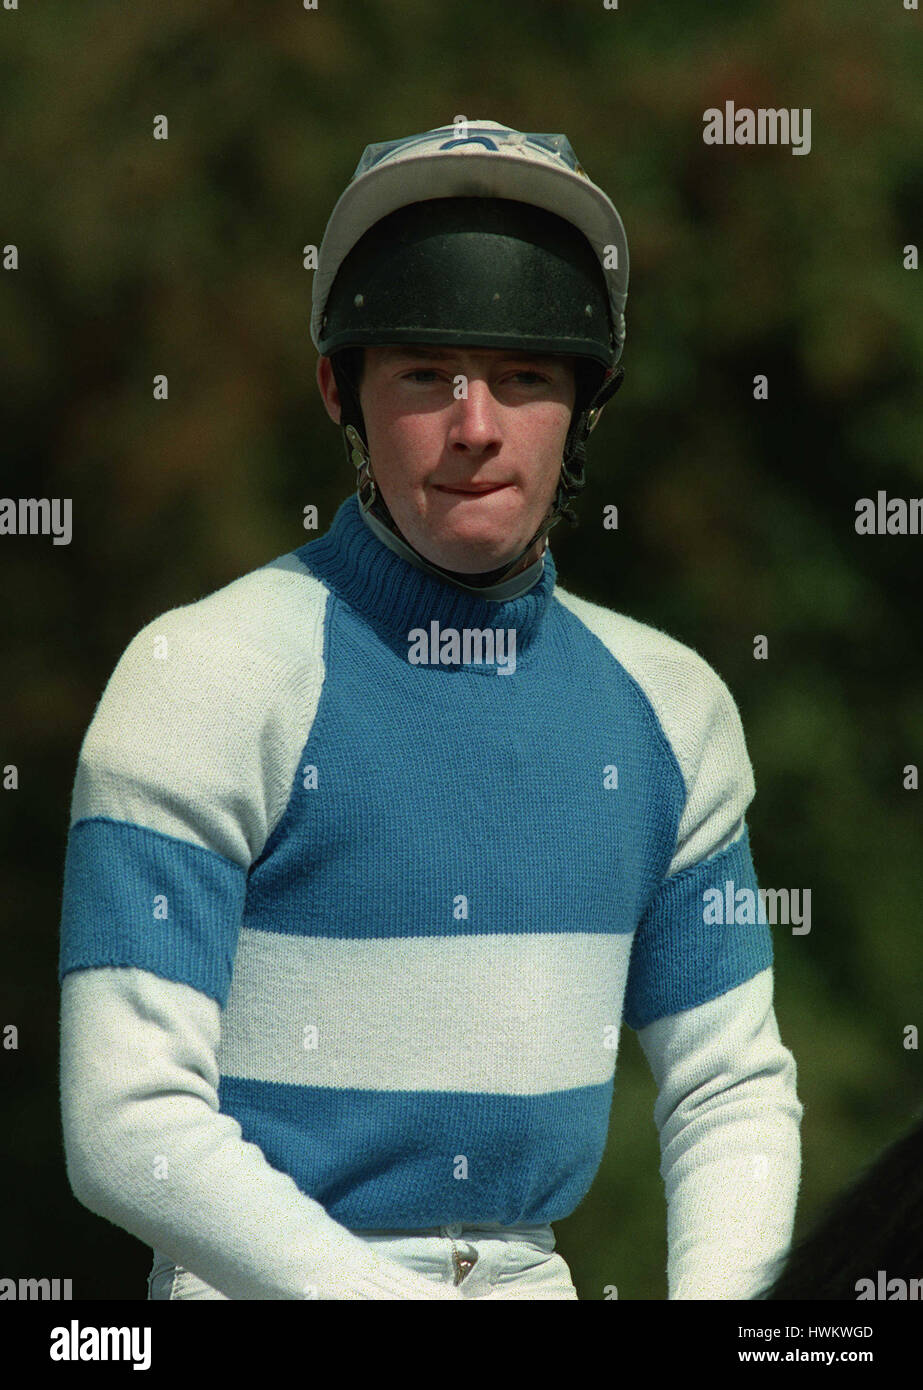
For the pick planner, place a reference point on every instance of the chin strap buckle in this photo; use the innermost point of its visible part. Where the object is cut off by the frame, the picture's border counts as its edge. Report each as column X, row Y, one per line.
column 359, row 456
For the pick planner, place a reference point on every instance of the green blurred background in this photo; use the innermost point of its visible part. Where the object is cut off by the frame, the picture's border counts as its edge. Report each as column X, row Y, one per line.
column 736, row 517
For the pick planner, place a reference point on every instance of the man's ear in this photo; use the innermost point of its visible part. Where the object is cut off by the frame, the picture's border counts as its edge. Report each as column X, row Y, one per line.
column 326, row 383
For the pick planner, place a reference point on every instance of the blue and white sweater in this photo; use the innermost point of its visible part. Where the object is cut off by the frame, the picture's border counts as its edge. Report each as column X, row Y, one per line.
column 347, row 939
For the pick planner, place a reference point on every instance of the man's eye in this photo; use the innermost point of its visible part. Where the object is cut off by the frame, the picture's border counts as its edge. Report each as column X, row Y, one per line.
column 537, row 378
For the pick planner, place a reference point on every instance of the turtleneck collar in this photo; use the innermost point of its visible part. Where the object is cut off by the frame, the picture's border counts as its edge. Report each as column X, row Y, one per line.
column 377, row 581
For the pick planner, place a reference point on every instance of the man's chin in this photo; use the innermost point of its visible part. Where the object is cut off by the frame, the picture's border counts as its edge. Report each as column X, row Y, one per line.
column 463, row 555
column 467, row 557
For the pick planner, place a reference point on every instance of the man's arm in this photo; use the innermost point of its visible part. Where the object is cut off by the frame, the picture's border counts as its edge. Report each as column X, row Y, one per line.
column 729, row 1122
column 184, row 771
column 147, row 1148
column 700, row 997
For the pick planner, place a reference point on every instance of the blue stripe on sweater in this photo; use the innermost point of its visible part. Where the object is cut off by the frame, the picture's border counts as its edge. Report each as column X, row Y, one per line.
column 119, row 880
column 409, row 1159
column 679, row 960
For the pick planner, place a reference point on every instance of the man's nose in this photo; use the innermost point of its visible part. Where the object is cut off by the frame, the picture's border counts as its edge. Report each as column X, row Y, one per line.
column 474, row 421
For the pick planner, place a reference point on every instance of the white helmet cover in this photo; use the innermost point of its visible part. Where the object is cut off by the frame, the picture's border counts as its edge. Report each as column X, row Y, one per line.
column 479, row 159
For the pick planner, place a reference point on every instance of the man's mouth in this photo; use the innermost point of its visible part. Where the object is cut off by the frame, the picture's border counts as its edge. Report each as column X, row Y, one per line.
column 471, row 491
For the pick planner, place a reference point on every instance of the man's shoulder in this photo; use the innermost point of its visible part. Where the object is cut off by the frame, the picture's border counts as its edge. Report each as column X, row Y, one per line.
column 268, row 611
column 256, row 640
column 658, row 662
column 692, row 705
column 198, row 730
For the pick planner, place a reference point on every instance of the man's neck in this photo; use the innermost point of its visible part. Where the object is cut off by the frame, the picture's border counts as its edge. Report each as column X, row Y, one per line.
column 515, row 583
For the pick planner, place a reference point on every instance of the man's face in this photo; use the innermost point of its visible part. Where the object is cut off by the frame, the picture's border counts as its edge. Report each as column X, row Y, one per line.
column 468, row 478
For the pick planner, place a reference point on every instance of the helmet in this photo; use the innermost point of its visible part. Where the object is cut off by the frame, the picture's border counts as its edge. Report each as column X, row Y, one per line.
column 476, row 235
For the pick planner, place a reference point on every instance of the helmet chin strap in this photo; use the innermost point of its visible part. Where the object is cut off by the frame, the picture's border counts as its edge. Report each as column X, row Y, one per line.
column 570, row 482
column 518, row 583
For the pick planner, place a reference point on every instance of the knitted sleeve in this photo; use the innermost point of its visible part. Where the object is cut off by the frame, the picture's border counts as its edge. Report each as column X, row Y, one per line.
column 700, row 995
column 183, row 773
column 700, row 984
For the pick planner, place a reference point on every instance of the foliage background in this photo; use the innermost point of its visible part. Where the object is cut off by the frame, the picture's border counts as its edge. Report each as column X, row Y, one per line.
column 736, row 517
